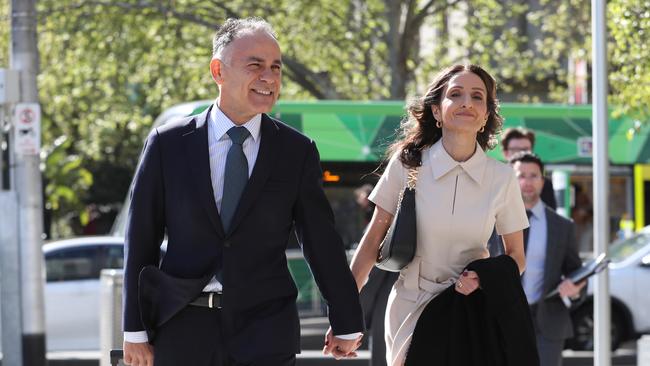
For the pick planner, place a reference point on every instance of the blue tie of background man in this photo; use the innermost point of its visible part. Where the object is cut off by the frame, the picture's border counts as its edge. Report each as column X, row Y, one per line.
column 235, row 176
column 529, row 213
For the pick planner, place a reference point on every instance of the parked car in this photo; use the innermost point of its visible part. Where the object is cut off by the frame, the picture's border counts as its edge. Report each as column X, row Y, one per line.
column 629, row 275
column 72, row 289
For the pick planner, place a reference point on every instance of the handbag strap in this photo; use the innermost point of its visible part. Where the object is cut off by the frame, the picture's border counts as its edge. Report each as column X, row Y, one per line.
column 412, row 178
column 411, row 181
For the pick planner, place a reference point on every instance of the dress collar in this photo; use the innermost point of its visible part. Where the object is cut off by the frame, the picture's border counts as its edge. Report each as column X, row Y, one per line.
column 442, row 163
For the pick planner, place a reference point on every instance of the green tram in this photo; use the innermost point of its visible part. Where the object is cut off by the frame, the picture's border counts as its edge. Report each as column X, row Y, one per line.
column 352, row 137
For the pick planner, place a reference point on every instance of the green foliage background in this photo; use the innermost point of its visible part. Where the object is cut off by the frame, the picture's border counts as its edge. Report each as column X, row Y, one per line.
column 109, row 68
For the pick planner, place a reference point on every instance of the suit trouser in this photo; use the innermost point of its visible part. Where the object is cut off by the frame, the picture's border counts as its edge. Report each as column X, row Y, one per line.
column 194, row 337
column 549, row 350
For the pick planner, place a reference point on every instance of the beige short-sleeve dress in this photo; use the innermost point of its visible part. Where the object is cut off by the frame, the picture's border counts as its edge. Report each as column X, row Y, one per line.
column 457, row 205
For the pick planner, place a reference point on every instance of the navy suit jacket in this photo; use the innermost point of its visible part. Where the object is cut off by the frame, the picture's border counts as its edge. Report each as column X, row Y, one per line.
column 172, row 195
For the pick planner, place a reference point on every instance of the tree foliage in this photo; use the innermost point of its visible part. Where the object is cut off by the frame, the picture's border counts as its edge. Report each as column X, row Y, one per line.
column 108, row 68
column 629, row 24
column 4, row 34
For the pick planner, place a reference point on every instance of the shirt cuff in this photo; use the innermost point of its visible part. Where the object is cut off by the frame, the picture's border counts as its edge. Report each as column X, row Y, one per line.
column 349, row 337
column 136, row 337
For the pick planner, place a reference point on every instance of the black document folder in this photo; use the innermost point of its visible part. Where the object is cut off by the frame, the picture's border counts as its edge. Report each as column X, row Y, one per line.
column 587, row 270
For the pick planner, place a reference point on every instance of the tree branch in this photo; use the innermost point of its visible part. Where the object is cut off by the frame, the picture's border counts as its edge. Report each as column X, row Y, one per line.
column 161, row 9
column 426, row 9
column 318, row 84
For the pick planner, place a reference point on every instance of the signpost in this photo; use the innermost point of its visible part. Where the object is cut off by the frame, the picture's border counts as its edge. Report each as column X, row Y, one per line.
column 23, row 279
column 27, row 129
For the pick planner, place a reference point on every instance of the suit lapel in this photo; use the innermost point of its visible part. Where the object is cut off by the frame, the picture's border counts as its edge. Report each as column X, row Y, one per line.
column 198, row 158
column 266, row 157
column 552, row 228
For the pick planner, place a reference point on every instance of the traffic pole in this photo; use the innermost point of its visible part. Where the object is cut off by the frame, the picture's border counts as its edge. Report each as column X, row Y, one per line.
column 10, row 280
column 602, row 310
column 27, row 180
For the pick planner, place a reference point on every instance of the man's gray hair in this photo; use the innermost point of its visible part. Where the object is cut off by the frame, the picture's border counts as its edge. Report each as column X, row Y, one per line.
column 233, row 28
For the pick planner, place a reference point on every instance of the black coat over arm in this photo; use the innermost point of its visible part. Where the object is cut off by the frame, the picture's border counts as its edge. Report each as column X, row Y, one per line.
column 490, row 327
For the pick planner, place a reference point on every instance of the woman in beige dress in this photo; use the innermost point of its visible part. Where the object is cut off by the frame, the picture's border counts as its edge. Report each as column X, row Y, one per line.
column 461, row 194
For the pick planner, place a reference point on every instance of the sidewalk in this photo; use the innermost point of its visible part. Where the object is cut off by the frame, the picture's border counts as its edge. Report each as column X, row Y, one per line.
column 313, row 332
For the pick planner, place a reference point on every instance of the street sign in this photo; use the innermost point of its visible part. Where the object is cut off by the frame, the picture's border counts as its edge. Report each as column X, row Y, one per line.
column 27, row 129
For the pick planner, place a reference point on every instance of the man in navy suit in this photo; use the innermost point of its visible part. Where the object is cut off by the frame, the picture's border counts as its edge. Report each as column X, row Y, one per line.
column 226, row 187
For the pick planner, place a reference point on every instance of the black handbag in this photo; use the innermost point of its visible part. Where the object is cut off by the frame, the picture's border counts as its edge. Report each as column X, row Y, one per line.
column 398, row 247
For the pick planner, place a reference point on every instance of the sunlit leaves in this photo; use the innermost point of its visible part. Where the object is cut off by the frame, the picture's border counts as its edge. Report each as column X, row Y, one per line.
column 629, row 24
column 109, row 68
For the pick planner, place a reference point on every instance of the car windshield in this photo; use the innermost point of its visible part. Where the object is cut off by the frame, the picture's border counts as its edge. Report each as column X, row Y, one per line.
column 621, row 250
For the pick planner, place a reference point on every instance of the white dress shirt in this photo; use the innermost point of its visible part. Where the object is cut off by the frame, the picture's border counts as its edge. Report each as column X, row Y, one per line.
column 218, row 145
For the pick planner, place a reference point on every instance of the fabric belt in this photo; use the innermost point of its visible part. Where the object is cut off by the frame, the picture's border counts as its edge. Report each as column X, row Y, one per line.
column 210, row 300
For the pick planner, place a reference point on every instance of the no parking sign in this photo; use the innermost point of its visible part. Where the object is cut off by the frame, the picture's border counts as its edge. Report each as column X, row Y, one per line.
column 27, row 131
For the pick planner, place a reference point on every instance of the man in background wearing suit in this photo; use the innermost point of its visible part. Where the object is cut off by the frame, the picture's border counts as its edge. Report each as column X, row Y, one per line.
column 514, row 141
column 551, row 254
column 226, row 187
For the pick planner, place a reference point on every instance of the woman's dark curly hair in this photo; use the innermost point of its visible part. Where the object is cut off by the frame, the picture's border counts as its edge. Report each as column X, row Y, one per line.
column 419, row 129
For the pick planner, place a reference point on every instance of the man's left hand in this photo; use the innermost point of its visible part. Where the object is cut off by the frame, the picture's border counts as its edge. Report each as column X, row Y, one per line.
column 569, row 289
column 340, row 348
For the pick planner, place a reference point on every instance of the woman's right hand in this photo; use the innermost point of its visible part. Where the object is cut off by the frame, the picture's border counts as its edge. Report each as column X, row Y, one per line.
column 468, row 282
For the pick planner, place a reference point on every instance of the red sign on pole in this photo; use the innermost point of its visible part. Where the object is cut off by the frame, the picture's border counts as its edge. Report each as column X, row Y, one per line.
column 27, row 129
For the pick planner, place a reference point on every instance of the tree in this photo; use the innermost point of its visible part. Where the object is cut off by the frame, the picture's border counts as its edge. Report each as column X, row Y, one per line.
column 108, row 68
column 4, row 34
column 629, row 26
column 105, row 75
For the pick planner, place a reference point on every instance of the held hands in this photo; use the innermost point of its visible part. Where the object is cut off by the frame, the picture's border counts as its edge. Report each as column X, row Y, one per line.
column 138, row 354
column 340, row 348
column 468, row 282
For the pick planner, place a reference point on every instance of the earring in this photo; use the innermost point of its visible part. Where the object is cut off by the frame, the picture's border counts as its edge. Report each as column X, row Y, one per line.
column 482, row 129
column 438, row 124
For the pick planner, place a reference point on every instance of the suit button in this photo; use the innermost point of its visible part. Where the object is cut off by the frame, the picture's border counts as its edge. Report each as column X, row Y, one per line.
column 226, row 243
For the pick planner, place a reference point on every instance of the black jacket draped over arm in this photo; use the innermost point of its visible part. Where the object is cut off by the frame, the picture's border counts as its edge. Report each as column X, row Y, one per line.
column 490, row 327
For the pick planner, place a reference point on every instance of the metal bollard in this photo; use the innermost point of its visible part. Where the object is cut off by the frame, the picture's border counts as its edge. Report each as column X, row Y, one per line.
column 643, row 351
column 110, row 316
